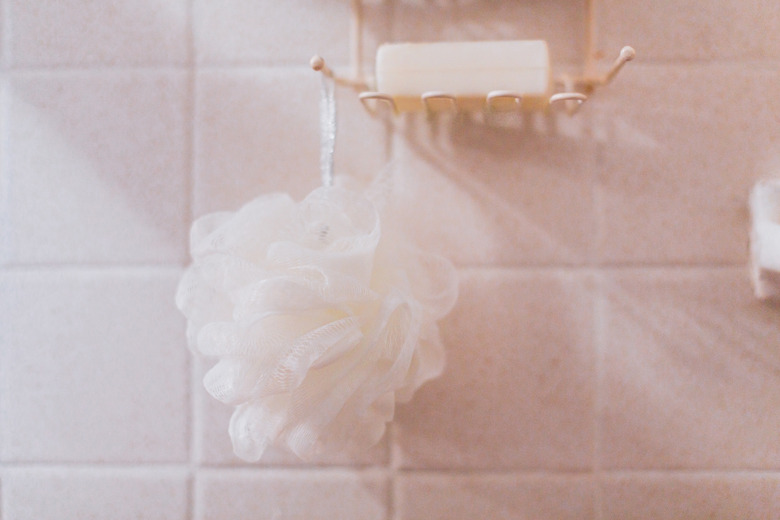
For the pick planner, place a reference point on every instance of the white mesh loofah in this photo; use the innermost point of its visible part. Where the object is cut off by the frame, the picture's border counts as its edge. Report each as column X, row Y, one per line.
column 319, row 319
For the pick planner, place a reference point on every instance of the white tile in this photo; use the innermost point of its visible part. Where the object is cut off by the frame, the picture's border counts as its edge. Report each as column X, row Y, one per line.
column 291, row 495
column 93, row 367
column 263, row 32
column 560, row 22
column 682, row 146
column 258, row 131
column 518, row 388
column 690, row 372
column 98, row 167
column 100, row 493
column 5, row 180
column 3, row 32
column 693, row 497
column 488, row 195
column 378, row 17
column 689, row 29
column 456, row 497
column 111, row 32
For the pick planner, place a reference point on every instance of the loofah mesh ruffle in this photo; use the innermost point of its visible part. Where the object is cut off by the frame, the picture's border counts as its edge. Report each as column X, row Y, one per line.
column 319, row 320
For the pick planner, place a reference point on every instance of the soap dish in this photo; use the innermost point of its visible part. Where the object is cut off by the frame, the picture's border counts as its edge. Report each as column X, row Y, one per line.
column 765, row 239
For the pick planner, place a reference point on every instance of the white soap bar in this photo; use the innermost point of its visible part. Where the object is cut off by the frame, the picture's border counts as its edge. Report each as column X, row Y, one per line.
column 464, row 69
column 765, row 238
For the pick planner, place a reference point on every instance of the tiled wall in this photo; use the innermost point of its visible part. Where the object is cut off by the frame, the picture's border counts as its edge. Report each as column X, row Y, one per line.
column 606, row 359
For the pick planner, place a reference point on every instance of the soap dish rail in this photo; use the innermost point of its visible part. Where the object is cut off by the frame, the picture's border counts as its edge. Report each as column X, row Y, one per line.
column 569, row 92
column 575, row 92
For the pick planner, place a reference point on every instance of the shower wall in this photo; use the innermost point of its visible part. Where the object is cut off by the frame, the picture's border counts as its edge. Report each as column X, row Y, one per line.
column 606, row 358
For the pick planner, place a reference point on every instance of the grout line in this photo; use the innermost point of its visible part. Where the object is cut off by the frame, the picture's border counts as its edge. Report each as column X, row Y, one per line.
column 131, row 467
column 598, row 317
column 746, row 61
column 255, row 471
column 190, row 151
column 496, row 472
column 5, row 172
column 184, row 468
column 191, row 61
column 117, row 70
column 194, row 439
column 390, row 133
column 196, row 428
column 187, row 65
column 194, row 421
column 5, row 21
column 163, row 67
column 194, row 139
column 599, row 342
column 599, row 307
column 587, row 474
column 683, row 266
column 194, row 424
column 596, row 269
column 5, row 148
column 189, row 506
column 393, row 510
column 392, row 471
column 219, row 466
column 251, row 67
column 464, row 269
column 94, row 268
column 696, row 473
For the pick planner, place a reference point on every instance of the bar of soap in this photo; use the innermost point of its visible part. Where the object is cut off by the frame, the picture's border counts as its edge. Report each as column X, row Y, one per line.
column 468, row 70
column 765, row 239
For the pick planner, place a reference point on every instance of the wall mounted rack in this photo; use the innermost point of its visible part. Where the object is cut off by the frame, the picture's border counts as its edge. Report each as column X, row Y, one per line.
column 470, row 76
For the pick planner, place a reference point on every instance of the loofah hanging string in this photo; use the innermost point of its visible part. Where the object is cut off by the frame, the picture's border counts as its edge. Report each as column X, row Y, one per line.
column 327, row 129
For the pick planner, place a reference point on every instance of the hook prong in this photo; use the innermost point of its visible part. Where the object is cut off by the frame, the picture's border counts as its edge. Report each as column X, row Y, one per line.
column 365, row 97
column 426, row 97
column 317, row 63
column 626, row 54
column 504, row 94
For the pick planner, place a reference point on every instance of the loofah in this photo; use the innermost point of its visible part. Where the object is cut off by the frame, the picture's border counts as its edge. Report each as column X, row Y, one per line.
column 320, row 320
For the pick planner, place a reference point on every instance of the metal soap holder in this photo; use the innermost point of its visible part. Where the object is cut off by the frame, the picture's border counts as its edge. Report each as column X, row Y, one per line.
column 502, row 93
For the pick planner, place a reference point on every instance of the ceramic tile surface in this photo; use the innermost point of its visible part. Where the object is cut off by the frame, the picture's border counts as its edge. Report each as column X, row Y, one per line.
column 427, row 497
column 97, row 167
column 519, row 384
column 494, row 196
column 5, row 184
column 695, row 497
column 332, row 494
column 691, row 373
column 259, row 133
column 677, row 167
column 54, row 33
column 269, row 32
column 93, row 367
column 559, row 22
column 691, row 30
column 606, row 358
column 79, row 494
